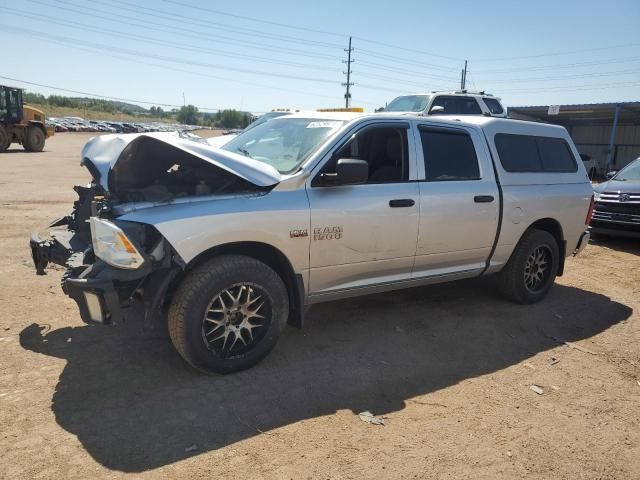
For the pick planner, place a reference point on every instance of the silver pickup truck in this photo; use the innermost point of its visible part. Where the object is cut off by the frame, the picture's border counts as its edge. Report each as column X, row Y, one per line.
column 235, row 242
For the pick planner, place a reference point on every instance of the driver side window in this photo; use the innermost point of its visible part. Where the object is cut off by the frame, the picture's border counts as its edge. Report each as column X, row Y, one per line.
column 385, row 149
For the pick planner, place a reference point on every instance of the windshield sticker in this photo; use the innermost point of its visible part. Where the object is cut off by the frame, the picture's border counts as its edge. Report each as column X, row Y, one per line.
column 324, row 124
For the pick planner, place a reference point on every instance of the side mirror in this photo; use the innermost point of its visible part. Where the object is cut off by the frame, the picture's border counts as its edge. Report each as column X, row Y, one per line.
column 349, row 171
column 436, row 110
column 611, row 174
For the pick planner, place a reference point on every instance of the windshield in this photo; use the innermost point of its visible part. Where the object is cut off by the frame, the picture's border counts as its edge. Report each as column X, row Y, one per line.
column 284, row 143
column 408, row 103
column 630, row 173
column 264, row 118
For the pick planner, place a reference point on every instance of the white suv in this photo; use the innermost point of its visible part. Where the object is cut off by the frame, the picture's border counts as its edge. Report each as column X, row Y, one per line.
column 459, row 102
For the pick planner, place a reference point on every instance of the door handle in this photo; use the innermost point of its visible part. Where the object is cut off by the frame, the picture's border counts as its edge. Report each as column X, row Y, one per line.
column 402, row 202
column 483, row 198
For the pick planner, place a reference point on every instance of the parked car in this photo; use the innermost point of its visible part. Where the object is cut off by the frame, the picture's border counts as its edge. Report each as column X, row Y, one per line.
column 617, row 203
column 309, row 208
column 458, row 102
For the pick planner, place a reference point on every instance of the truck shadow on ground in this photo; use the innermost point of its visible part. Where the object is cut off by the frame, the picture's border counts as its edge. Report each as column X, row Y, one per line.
column 620, row 244
column 135, row 405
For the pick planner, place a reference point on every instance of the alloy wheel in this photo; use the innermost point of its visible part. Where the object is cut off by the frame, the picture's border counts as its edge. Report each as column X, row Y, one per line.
column 236, row 319
column 538, row 269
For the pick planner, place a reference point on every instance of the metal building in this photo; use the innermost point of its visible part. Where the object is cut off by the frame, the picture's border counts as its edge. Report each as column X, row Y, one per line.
column 607, row 133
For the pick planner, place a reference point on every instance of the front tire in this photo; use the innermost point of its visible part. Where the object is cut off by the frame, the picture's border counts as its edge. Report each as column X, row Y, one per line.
column 530, row 272
column 34, row 139
column 228, row 314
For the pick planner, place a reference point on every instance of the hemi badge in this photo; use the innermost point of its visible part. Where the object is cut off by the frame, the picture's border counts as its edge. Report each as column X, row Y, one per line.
column 298, row 233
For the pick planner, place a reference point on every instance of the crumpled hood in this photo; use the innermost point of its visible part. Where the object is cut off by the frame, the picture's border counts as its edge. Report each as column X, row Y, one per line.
column 104, row 151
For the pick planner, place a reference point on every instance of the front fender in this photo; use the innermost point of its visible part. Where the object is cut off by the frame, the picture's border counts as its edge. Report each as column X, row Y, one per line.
column 193, row 228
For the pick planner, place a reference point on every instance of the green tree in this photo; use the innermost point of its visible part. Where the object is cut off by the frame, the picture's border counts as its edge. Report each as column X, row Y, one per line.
column 30, row 97
column 156, row 112
column 230, row 118
column 188, row 115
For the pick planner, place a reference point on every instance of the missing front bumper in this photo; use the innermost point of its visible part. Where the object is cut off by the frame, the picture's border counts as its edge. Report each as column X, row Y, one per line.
column 97, row 299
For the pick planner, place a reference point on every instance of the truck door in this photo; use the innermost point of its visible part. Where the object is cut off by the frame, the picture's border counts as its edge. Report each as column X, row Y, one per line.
column 459, row 202
column 14, row 105
column 366, row 234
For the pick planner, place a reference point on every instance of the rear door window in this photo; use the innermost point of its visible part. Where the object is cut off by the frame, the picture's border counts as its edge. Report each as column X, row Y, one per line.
column 493, row 105
column 528, row 153
column 448, row 155
column 448, row 103
column 467, row 106
column 555, row 155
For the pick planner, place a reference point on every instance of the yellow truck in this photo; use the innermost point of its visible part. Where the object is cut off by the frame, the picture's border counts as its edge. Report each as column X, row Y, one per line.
column 21, row 123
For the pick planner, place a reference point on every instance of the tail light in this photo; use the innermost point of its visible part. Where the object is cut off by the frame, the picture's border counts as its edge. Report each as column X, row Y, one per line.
column 587, row 220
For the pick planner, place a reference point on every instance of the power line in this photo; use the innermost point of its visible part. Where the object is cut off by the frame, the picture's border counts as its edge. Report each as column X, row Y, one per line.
column 380, row 66
column 412, row 50
column 305, row 29
column 223, row 53
column 563, row 77
column 555, row 54
column 559, row 88
column 213, row 38
column 97, row 95
column 287, row 37
column 68, row 40
column 564, row 65
column 155, row 12
column 406, row 61
column 200, row 74
column 253, row 19
column 118, row 34
column 306, row 53
column 155, row 41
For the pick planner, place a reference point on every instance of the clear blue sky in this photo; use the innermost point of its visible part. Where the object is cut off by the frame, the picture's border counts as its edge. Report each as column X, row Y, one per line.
column 527, row 53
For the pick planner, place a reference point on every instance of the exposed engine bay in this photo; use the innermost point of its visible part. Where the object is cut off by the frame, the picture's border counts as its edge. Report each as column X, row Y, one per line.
column 151, row 170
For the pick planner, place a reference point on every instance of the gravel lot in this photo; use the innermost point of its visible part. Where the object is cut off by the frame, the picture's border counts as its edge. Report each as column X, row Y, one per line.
column 450, row 367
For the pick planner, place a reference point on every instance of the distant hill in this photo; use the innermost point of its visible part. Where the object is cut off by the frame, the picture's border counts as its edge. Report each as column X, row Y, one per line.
column 102, row 109
column 117, row 105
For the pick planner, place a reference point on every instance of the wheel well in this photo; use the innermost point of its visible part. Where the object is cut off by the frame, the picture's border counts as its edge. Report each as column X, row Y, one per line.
column 554, row 228
column 40, row 125
column 270, row 256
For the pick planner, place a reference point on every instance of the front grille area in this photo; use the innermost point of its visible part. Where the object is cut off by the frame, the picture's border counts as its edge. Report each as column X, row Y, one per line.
column 616, row 196
column 620, row 211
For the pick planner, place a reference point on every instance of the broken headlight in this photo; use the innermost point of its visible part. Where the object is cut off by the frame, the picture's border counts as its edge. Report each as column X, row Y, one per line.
column 112, row 245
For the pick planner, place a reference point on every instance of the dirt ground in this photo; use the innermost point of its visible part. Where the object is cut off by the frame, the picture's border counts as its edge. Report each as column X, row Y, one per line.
column 450, row 367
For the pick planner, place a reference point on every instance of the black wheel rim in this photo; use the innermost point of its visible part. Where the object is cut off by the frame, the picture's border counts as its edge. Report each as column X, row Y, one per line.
column 537, row 269
column 236, row 319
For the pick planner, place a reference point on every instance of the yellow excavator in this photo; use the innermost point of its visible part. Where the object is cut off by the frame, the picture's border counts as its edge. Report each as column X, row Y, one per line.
column 21, row 123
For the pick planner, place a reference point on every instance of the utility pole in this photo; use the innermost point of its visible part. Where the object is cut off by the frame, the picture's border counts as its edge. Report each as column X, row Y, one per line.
column 184, row 100
column 348, row 61
column 463, row 77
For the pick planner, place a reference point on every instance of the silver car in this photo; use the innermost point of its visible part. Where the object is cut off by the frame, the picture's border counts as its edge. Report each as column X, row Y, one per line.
column 235, row 242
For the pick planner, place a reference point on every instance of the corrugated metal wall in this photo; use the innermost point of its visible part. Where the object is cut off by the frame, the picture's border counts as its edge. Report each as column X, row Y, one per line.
column 593, row 140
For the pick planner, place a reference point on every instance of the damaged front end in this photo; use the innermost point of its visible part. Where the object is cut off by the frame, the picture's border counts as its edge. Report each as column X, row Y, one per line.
column 111, row 263
column 108, row 262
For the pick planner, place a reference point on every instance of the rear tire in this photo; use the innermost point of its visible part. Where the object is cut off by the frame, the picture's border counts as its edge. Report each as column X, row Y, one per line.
column 530, row 272
column 34, row 138
column 228, row 314
column 5, row 141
